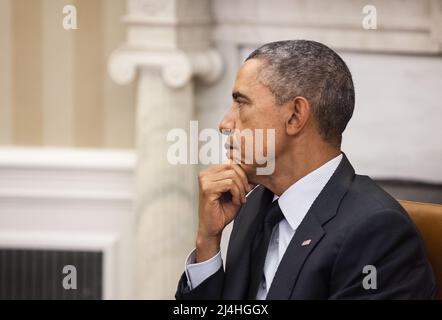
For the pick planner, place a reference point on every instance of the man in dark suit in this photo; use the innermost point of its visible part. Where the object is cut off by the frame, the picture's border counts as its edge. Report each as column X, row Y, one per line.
column 312, row 229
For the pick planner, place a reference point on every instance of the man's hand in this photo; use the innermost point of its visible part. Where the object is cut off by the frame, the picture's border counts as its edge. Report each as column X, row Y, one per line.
column 222, row 190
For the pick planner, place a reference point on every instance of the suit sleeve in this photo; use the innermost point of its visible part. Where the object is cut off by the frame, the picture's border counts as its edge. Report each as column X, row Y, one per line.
column 196, row 273
column 382, row 257
column 202, row 280
column 210, row 289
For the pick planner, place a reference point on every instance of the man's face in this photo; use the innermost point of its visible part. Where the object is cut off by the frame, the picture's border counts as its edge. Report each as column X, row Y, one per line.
column 254, row 107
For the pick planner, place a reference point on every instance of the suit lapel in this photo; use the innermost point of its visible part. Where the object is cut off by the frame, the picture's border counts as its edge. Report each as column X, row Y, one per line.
column 293, row 260
column 236, row 280
column 322, row 210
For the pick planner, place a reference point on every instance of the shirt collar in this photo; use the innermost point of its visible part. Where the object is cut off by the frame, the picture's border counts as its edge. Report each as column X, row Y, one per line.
column 299, row 197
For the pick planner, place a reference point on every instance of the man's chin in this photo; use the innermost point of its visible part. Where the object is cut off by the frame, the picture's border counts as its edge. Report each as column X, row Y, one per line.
column 250, row 171
column 248, row 168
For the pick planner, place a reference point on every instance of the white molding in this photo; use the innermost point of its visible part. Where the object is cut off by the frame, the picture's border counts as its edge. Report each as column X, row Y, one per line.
column 72, row 199
column 67, row 158
column 31, row 173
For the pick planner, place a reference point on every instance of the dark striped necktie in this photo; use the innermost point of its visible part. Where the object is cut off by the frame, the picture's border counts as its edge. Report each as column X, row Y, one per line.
column 260, row 245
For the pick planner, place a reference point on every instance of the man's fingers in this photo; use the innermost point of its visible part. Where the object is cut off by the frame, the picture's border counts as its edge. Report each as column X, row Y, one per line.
column 227, row 167
column 233, row 174
column 218, row 168
column 243, row 177
column 236, row 194
column 222, row 175
column 240, row 187
column 237, row 179
column 227, row 185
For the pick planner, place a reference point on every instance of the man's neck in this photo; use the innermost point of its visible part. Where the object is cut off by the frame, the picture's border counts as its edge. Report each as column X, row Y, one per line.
column 293, row 168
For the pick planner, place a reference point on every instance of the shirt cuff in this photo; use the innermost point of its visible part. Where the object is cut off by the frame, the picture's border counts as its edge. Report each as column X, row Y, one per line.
column 198, row 272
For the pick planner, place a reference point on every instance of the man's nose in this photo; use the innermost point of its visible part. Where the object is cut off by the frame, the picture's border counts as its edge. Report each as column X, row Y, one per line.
column 227, row 124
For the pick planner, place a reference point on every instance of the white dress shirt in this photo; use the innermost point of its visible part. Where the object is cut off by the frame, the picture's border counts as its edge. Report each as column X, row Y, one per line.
column 294, row 203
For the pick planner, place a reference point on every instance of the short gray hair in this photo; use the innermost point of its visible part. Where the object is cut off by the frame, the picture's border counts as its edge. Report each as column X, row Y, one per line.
column 312, row 70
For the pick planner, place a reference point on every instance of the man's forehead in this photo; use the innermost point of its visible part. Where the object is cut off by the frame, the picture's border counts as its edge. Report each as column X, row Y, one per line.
column 248, row 74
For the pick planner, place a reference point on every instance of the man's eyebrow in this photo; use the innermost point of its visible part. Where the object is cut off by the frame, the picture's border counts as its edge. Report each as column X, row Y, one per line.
column 236, row 95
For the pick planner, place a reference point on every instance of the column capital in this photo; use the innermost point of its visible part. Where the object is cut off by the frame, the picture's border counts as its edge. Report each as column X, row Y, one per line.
column 172, row 35
column 177, row 67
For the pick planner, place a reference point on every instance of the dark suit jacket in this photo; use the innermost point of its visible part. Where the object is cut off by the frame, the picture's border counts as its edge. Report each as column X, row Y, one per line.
column 353, row 223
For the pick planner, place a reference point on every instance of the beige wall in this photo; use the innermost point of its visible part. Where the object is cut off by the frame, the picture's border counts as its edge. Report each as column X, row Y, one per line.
column 54, row 86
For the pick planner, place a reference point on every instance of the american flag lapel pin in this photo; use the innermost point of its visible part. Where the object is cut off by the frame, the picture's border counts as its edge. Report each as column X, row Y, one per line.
column 306, row 242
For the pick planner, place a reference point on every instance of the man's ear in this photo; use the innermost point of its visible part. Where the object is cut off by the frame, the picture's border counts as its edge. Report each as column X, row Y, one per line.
column 298, row 113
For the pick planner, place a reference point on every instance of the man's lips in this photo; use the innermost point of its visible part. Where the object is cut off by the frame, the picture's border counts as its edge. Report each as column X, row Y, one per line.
column 233, row 153
column 229, row 146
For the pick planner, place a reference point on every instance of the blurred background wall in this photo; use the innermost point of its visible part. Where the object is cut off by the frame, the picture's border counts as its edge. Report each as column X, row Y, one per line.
column 83, row 174
column 67, row 160
column 54, row 86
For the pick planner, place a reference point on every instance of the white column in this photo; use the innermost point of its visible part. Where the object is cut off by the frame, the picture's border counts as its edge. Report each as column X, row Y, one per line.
column 167, row 47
